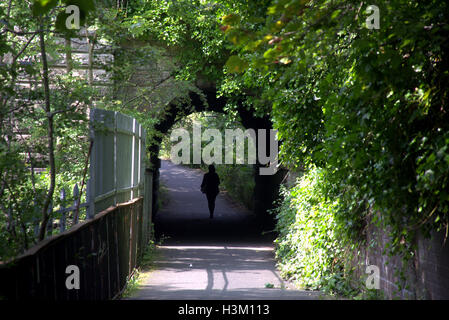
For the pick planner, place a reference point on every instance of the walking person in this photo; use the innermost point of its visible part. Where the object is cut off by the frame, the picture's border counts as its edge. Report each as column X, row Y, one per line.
column 209, row 186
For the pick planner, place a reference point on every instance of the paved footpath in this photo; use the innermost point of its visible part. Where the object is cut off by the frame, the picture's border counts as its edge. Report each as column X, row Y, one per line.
column 200, row 258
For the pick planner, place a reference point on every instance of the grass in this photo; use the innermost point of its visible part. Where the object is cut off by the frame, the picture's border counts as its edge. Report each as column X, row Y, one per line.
column 139, row 274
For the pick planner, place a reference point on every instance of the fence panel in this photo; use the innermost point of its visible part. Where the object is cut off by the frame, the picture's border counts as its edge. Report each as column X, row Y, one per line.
column 103, row 248
column 117, row 159
column 117, row 168
column 102, row 160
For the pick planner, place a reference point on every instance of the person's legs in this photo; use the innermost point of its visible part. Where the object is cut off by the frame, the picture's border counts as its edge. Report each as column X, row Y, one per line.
column 211, row 204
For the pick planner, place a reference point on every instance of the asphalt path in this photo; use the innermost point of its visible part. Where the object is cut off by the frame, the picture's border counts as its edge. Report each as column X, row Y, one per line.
column 224, row 258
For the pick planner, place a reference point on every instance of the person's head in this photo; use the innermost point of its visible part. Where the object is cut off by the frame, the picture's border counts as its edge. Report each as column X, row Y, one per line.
column 211, row 168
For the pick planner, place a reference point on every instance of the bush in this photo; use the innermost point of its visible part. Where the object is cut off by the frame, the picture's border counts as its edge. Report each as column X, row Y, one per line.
column 310, row 247
column 238, row 181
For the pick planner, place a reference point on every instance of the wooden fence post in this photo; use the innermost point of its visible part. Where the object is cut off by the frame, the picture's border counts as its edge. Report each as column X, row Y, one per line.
column 76, row 194
column 36, row 220
column 50, row 220
column 62, row 221
column 147, row 204
column 115, row 157
column 90, row 199
column 92, row 164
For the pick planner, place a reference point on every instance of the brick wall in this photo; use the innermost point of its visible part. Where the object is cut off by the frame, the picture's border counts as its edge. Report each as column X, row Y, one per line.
column 426, row 276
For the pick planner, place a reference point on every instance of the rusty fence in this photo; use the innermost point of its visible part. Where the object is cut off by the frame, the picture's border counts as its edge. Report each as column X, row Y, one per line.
column 104, row 249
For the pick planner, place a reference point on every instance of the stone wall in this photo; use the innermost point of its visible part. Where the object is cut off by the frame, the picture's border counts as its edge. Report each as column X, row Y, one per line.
column 432, row 267
column 426, row 276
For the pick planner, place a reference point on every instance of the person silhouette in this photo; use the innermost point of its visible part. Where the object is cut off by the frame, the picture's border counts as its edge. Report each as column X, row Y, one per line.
column 209, row 186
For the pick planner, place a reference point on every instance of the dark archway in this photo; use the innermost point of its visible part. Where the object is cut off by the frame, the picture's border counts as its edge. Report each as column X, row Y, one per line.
column 266, row 186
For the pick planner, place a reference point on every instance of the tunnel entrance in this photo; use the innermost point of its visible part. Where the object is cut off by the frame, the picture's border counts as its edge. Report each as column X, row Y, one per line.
column 266, row 187
column 184, row 217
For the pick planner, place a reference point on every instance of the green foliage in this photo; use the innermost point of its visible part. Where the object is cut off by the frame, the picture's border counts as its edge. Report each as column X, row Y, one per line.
column 138, row 275
column 311, row 246
column 23, row 186
column 238, row 181
column 367, row 105
column 190, row 25
column 40, row 7
column 24, row 124
column 269, row 285
column 235, row 64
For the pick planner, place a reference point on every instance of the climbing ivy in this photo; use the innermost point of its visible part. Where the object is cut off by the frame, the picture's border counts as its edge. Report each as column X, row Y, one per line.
column 311, row 247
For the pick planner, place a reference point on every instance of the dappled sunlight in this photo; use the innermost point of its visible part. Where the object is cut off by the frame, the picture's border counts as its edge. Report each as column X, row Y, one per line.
column 186, row 272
